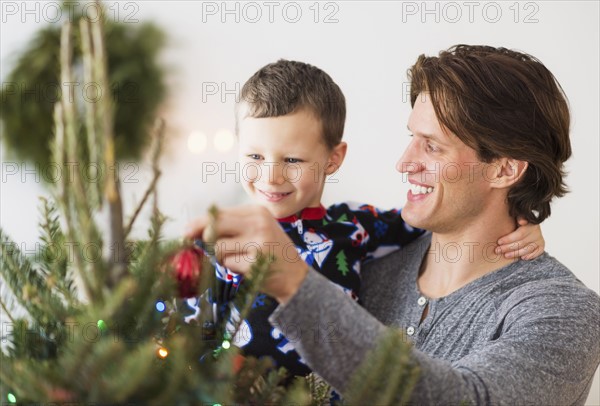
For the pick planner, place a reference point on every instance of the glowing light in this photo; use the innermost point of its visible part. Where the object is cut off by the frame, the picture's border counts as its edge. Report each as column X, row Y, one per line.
column 226, row 344
column 223, row 141
column 102, row 325
column 11, row 398
column 160, row 306
column 162, row 352
column 197, row 142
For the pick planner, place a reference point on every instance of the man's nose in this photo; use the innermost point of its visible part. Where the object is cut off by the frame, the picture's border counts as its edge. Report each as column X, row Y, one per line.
column 409, row 161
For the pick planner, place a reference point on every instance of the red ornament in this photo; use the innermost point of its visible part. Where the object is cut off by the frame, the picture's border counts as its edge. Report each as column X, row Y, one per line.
column 187, row 265
column 60, row 395
column 238, row 362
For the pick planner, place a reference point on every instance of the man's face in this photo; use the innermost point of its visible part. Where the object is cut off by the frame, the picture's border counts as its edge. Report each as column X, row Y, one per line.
column 450, row 187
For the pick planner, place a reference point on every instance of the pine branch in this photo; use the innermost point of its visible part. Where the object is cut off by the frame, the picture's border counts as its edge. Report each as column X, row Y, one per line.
column 159, row 135
column 252, row 286
column 131, row 374
column 320, row 391
column 72, row 196
column 94, row 142
column 105, row 112
column 54, row 256
column 387, row 375
column 6, row 311
column 99, row 366
column 145, row 261
column 81, row 356
column 18, row 273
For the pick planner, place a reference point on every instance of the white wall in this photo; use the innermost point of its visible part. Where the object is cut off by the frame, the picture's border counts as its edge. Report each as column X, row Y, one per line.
column 367, row 51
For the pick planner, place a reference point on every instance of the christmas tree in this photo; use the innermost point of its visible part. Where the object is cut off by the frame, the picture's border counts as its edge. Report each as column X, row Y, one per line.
column 94, row 318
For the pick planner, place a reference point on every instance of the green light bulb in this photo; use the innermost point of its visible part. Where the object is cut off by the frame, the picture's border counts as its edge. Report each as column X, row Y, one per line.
column 102, row 325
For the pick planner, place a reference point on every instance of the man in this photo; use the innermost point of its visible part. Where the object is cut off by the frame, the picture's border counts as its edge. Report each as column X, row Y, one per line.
column 490, row 132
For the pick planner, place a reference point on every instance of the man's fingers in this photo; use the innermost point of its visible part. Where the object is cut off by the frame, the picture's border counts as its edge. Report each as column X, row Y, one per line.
column 195, row 228
column 244, row 219
column 235, row 255
column 227, row 223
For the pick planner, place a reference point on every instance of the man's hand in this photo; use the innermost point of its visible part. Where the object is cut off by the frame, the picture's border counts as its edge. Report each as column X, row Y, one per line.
column 243, row 233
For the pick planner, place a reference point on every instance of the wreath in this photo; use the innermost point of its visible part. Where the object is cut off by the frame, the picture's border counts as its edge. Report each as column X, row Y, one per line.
column 33, row 87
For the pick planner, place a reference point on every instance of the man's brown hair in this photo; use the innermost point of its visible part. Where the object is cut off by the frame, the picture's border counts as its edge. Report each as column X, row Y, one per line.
column 284, row 87
column 502, row 103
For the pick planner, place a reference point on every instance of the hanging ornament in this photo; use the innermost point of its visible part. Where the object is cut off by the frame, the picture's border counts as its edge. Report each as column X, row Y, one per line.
column 238, row 363
column 187, row 266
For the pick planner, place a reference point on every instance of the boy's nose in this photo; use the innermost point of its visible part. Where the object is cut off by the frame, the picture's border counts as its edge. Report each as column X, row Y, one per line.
column 275, row 175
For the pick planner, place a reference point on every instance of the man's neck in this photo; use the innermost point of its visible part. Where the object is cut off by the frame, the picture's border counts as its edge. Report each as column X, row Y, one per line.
column 458, row 258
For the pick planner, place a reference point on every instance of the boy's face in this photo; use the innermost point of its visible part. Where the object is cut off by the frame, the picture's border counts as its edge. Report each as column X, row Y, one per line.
column 285, row 160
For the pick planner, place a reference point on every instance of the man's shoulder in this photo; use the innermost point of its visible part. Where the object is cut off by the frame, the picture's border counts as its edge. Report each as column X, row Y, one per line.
column 543, row 271
column 548, row 285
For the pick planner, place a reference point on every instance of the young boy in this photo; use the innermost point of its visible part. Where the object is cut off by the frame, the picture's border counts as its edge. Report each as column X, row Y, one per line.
column 290, row 122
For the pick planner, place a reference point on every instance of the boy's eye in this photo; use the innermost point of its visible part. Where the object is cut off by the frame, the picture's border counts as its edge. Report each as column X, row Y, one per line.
column 292, row 160
column 254, row 156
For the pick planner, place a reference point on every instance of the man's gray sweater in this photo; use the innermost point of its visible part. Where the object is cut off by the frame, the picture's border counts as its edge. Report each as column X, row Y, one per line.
column 525, row 334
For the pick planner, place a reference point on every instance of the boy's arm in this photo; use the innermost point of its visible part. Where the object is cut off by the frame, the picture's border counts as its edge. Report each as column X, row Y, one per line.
column 387, row 228
column 383, row 228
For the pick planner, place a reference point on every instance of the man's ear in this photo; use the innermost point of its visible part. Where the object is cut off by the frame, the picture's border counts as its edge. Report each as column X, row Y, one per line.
column 336, row 157
column 507, row 172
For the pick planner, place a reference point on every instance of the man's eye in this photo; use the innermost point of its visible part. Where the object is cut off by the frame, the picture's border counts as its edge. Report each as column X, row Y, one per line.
column 292, row 160
column 432, row 148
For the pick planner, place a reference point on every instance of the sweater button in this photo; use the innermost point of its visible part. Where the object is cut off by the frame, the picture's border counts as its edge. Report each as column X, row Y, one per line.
column 410, row 331
column 422, row 300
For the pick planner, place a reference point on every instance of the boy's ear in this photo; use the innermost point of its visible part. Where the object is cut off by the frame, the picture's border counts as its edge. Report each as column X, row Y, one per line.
column 507, row 172
column 336, row 157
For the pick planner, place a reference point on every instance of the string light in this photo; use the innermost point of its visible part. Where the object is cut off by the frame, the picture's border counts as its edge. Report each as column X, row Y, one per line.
column 197, row 142
column 226, row 344
column 160, row 306
column 224, row 140
column 162, row 352
column 102, row 325
column 12, row 398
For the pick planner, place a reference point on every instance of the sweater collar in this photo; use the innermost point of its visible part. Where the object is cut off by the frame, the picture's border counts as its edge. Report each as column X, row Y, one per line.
column 309, row 213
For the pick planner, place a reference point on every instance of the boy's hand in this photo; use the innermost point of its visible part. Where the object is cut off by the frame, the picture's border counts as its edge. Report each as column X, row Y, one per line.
column 241, row 234
column 526, row 242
